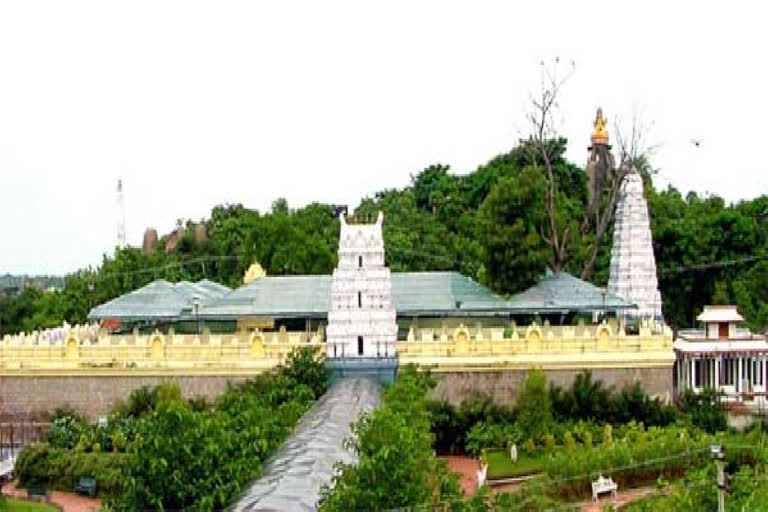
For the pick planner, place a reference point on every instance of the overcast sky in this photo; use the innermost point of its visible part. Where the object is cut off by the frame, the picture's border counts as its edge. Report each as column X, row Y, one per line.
column 195, row 104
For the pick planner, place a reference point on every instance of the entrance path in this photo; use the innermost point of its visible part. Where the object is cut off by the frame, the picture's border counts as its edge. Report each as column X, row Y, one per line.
column 67, row 501
column 466, row 468
column 622, row 498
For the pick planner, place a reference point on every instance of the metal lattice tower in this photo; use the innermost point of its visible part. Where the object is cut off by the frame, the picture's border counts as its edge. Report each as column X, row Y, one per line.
column 120, row 216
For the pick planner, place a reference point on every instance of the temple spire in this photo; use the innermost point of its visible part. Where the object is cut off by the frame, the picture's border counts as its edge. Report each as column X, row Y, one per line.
column 633, row 265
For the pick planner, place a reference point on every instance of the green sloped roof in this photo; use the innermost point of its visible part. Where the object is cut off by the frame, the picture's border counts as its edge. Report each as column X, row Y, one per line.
column 563, row 292
column 279, row 296
column 442, row 293
column 414, row 293
column 158, row 300
column 308, row 296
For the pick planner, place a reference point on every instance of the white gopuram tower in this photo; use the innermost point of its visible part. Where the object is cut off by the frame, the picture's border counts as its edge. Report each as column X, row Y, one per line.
column 633, row 265
column 361, row 317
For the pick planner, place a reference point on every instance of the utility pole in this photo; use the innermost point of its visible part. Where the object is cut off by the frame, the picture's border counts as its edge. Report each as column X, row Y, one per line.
column 121, row 244
column 718, row 453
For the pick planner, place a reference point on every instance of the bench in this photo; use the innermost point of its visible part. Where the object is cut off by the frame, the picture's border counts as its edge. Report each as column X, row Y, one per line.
column 603, row 484
column 36, row 490
column 86, row 487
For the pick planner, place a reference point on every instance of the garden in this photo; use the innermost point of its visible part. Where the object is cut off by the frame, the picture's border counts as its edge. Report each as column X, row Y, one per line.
column 566, row 438
column 159, row 451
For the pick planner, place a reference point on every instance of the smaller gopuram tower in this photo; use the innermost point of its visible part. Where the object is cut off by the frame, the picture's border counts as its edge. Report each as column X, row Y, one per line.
column 361, row 317
column 633, row 265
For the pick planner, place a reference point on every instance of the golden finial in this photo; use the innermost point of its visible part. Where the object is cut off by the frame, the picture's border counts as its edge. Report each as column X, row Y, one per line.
column 600, row 135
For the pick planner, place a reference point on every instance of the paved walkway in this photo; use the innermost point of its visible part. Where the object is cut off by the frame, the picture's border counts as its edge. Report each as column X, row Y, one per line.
column 67, row 501
column 466, row 468
column 293, row 476
column 622, row 498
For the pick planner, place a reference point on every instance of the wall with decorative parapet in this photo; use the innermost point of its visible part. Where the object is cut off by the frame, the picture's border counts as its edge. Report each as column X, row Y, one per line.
column 173, row 353
column 476, row 361
column 91, row 373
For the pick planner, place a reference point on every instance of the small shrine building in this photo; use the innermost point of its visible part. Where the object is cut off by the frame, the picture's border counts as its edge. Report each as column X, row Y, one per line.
column 721, row 356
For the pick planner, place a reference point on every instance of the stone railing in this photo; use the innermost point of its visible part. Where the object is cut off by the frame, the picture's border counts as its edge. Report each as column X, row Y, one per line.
column 537, row 345
column 155, row 351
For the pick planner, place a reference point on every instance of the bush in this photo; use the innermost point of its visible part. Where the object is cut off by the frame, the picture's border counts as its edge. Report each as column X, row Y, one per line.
column 590, row 400
column 640, row 457
column 451, row 425
column 62, row 469
column 66, row 431
column 534, row 410
column 704, row 410
column 492, row 435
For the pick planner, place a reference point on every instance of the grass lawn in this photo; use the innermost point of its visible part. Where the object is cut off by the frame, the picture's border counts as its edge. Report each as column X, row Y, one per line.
column 501, row 466
column 10, row 505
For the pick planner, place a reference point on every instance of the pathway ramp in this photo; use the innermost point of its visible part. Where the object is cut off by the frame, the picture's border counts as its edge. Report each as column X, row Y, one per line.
column 293, row 476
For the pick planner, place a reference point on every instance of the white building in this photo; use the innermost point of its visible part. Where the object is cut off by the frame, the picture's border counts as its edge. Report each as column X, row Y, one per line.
column 361, row 318
column 633, row 265
column 722, row 356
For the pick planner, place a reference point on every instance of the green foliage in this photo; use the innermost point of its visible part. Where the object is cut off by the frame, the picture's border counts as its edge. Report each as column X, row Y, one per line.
column 509, row 226
column 61, row 469
column 66, row 431
column 640, row 456
column 484, row 435
column 14, row 505
column 157, row 451
column 305, row 365
column 607, row 435
column 704, row 409
column 534, row 409
column 590, row 400
column 451, row 425
column 397, row 466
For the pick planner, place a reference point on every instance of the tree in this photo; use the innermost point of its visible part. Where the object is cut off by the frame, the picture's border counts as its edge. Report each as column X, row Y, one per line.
column 542, row 147
column 515, row 252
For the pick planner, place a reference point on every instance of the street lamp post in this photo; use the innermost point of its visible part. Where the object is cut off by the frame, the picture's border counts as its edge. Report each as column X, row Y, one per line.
column 718, row 453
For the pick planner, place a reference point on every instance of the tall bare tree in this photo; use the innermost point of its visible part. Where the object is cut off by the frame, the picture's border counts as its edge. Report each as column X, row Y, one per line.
column 542, row 149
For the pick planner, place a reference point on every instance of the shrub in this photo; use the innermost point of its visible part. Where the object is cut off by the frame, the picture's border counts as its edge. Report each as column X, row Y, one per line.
column 534, row 410
column 590, row 400
column 631, row 461
column 451, row 425
column 549, row 443
column 66, row 430
column 568, row 442
column 62, row 469
column 529, row 447
column 704, row 410
column 607, row 435
column 492, row 435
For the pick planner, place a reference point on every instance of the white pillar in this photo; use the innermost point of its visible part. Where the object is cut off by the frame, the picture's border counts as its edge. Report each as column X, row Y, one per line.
column 717, row 374
column 693, row 373
column 739, row 375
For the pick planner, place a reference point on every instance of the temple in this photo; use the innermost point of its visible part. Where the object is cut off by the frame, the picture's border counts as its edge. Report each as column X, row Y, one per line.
column 368, row 321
